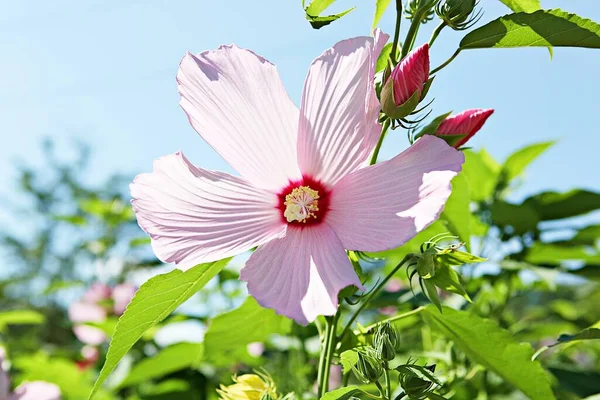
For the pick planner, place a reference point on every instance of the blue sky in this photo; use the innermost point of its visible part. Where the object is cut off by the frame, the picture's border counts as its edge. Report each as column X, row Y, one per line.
column 103, row 71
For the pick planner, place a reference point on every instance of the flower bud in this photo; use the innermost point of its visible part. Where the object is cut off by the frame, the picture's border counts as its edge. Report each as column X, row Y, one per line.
column 456, row 13
column 407, row 84
column 368, row 368
column 417, row 381
column 426, row 265
column 385, row 341
column 467, row 123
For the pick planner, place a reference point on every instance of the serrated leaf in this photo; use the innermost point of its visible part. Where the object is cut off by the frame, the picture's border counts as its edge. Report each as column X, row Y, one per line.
column 380, row 7
column 167, row 361
column 228, row 334
column 542, row 28
column 348, row 358
column 341, row 393
column 516, row 163
column 486, row 343
column 527, row 6
column 153, row 302
column 553, row 205
column 449, row 280
column 316, row 7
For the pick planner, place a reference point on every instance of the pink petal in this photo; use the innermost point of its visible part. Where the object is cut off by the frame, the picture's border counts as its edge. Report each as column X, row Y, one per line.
column 383, row 206
column 195, row 216
column 236, row 101
column 338, row 125
column 468, row 122
column 4, row 382
column 96, row 293
column 410, row 75
column 89, row 335
column 300, row 274
column 86, row 312
column 122, row 295
column 36, row 390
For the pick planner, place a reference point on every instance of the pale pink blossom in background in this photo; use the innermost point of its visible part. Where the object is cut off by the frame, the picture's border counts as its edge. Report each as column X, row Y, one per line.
column 97, row 293
column 256, row 349
column 122, row 295
column 36, row 390
column 86, row 312
column 388, row 310
column 89, row 335
column 394, row 285
column 306, row 193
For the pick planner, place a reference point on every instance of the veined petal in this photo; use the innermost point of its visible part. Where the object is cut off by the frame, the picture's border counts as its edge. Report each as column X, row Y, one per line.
column 383, row 206
column 300, row 275
column 236, row 101
column 338, row 117
column 195, row 216
column 468, row 123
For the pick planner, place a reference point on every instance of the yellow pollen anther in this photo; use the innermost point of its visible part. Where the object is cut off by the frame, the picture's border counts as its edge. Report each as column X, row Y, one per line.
column 301, row 204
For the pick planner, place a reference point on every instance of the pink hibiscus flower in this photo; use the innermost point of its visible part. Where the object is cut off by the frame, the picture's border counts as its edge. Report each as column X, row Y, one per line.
column 306, row 192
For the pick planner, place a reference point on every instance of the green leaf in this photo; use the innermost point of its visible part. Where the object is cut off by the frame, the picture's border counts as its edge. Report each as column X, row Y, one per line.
column 20, row 317
column 527, row 6
column 457, row 213
column 383, row 58
column 449, row 280
column 341, row 393
column 430, row 291
column 486, row 343
column 169, row 360
column 380, row 7
column 348, row 358
column 522, row 218
column 229, row 334
column 516, row 163
column 542, row 28
column 547, row 253
column 316, row 7
column 153, row 302
column 587, row 236
column 583, row 383
column 482, row 172
column 553, row 205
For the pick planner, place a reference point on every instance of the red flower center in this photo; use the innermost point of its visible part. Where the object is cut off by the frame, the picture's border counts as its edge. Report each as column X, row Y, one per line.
column 304, row 202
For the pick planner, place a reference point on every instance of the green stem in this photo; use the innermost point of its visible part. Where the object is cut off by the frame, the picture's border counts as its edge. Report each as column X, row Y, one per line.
column 381, row 391
column 436, row 32
column 327, row 349
column 416, row 311
column 388, row 383
column 397, row 31
column 384, row 130
column 412, row 34
column 448, row 61
column 372, row 294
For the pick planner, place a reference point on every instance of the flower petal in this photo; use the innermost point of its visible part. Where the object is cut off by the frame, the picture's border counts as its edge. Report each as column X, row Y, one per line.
column 86, row 312
column 300, row 274
column 411, row 74
column 236, row 101
column 195, row 216
column 89, row 335
column 468, row 122
column 338, row 117
column 383, row 206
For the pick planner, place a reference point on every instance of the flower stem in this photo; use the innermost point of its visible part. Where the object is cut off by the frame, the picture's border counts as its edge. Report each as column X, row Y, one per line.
column 372, row 294
column 436, row 32
column 327, row 349
column 384, row 130
column 412, row 34
column 388, row 383
column 397, row 31
column 448, row 61
column 416, row 311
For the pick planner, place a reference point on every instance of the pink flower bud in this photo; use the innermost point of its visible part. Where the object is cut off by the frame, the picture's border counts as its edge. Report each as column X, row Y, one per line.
column 90, row 335
column 86, row 312
column 411, row 74
column 97, row 293
column 466, row 123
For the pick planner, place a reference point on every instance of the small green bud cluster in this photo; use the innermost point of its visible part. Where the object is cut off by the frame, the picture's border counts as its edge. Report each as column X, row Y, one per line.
column 458, row 14
column 422, row 9
column 418, row 382
column 368, row 367
column 385, row 341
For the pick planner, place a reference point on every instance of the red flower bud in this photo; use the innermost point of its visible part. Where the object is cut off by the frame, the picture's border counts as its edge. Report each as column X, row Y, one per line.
column 468, row 123
column 405, row 87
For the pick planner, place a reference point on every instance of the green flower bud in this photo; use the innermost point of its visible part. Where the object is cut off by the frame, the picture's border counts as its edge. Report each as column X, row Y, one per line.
column 385, row 341
column 417, row 381
column 426, row 265
column 457, row 13
column 368, row 368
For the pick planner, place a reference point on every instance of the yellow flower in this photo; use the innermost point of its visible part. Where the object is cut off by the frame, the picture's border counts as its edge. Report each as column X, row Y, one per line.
column 249, row 387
